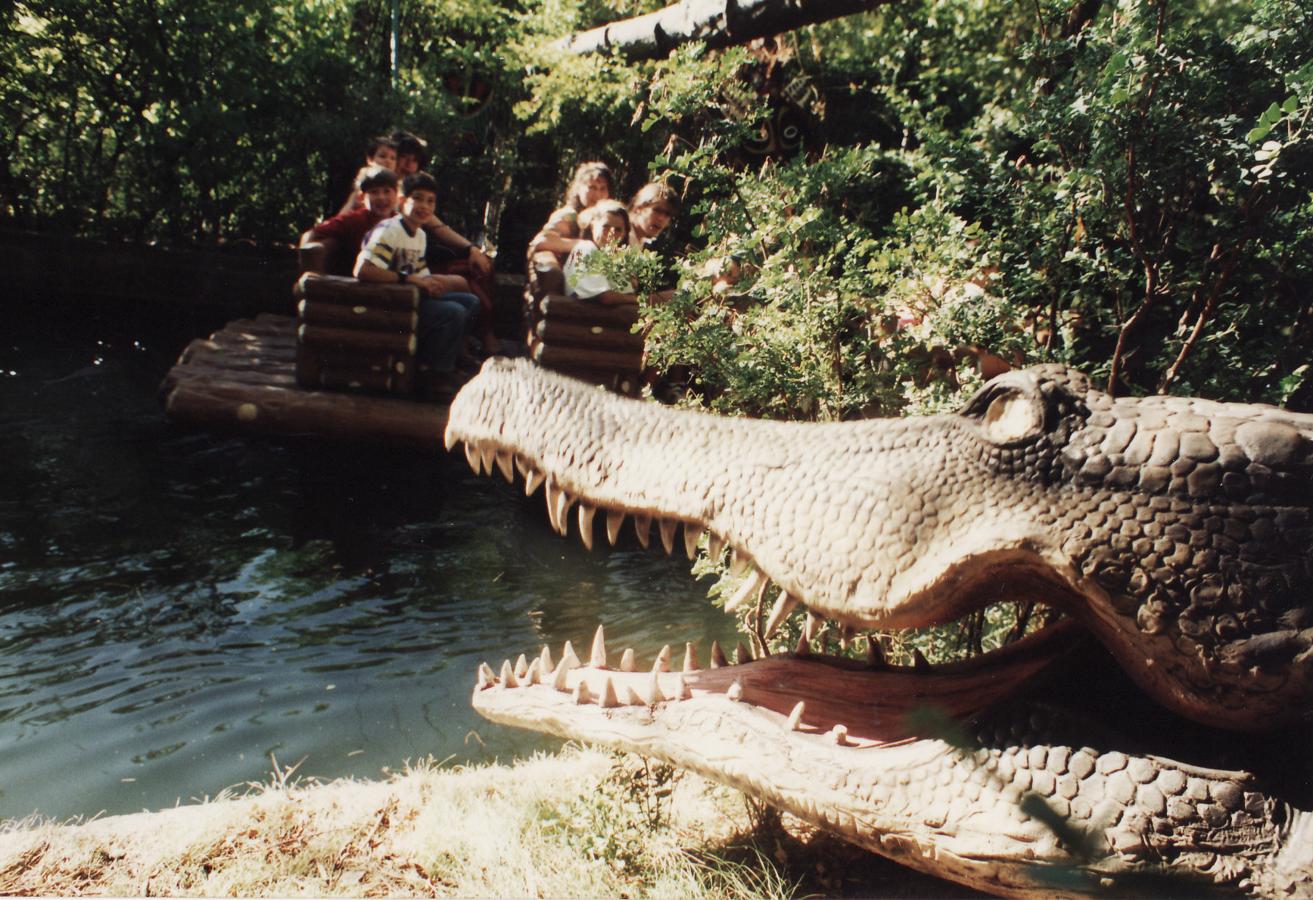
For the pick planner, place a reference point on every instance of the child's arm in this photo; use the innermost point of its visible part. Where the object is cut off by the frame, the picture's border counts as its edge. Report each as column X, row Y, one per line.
column 450, row 237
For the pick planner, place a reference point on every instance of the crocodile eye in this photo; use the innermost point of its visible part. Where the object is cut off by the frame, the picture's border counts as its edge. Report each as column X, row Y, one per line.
column 1011, row 416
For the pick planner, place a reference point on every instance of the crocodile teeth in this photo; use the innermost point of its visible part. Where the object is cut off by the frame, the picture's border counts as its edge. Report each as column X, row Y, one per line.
column 795, row 717
column 521, row 666
column 715, row 546
column 586, row 514
column 614, row 519
column 486, row 676
column 803, row 648
column 508, row 678
column 597, row 659
column 609, row 699
column 553, row 494
column 559, row 680
column 662, row 662
column 874, row 655
column 633, row 697
column 682, row 690
column 448, row 439
column 627, row 663
column 839, row 734
column 581, row 693
column 735, row 692
column 742, row 654
column 717, row 655
column 534, row 674
column 522, row 466
column 473, row 458
column 813, row 626
column 561, row 503
column 919, row 662
column 532, row 482
column 738, row 562
column 783, row 608
column 753, row 584
column 690, row 658
column 667, row 529
column 488, row 458
column 545, row 658
column 692, row 536
column 654, row 695
column 569, row 658
column 643, row 528
column 506, row 465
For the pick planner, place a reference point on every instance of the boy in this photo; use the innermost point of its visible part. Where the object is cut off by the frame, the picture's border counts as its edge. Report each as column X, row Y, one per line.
column 347, row 230
column 650, row 212
column 381, row 153
column 412, row 152
column 394, row 254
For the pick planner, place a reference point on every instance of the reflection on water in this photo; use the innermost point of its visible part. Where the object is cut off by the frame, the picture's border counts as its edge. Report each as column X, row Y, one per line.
column 174, row 607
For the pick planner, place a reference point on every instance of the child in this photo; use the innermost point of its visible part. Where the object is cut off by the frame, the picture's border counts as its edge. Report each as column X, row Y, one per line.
column 603, row 224
column 381, row 153
column 412, row 153
column 394, row 254
column 650, row 212
column 592, row 183
column 347, row 230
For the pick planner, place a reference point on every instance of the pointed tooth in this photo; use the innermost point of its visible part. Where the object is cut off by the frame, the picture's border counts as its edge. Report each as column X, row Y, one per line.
column 559, row 680
column 486, row 676
column 473, row 458
column 643, row 528
column 654, row 695
column 715, row 546
column 581, row 693
column 614, row 519
column 803, row 648
column 508, row 678
column 690, row 657
column 597, row 659
column 874, row 655
column 522, row 466
column 632, row 697
column 449, row 439
column 738, row 562
column 534, row 674
column 692, row 536
column 488, row 457
column 662, row 662
column 717, row 655
column 563, row 502
column 506, row 465
column 533, row 481
column 813, row 626
column 569, row 658
column 839, row 734
column 682, row 690
column 609, row 700
column 667, row 528
column 751, row 585
column 521, row 666
column 553, row 493
column 627, row 663
column 795, row 717
column 742, row 654
column 919, row 662
column 735, row 692
column 586, row 514
column 783, row 608
column 545, row 657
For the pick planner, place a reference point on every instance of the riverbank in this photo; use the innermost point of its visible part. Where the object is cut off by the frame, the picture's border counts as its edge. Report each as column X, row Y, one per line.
column 582, row 823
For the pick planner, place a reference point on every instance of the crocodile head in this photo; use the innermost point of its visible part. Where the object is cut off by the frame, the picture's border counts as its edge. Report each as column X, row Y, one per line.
column 1175, row 531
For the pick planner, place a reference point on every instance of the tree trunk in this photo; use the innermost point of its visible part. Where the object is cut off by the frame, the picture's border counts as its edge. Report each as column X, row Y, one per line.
column 720, row 23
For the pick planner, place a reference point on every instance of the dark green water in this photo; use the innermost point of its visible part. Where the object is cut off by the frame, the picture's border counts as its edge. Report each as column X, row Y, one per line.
column 176, row 607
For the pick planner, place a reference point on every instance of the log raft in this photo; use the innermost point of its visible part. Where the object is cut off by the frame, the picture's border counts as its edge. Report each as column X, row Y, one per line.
column 242, row 379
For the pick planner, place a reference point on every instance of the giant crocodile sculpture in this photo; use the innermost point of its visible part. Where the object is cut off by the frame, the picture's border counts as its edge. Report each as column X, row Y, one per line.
column 1174, row 531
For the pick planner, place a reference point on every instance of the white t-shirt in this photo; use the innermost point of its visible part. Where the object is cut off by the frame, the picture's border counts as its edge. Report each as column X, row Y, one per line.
column 393, row 246
column 581, row 283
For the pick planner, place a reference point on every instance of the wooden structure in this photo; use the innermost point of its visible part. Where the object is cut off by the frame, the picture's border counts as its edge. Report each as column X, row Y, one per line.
column 243, row 379
column 355, row 336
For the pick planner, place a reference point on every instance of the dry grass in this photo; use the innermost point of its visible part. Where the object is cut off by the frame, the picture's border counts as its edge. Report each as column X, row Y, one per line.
column 582, row 823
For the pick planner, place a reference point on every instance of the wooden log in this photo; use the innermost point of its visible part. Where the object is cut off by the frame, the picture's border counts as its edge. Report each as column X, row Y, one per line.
column 265, row 410
column 556, row 306
column 551, row 357
column 566, row 332
column 349, row 340
column 190, row 374
column 208, row 357
column 370, row 371
column 350, row 292
column 369, row 318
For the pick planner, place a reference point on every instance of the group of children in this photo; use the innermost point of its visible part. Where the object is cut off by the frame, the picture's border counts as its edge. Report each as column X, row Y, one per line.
column 395, row 237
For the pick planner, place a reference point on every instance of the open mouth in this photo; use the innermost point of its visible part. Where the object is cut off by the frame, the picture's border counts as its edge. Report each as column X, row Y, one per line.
column 856, row 702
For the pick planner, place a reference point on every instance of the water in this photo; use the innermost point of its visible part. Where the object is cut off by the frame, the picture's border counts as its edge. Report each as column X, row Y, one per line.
column 176, row 608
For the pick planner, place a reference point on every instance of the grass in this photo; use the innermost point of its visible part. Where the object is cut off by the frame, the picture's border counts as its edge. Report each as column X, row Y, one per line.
column 581, row 823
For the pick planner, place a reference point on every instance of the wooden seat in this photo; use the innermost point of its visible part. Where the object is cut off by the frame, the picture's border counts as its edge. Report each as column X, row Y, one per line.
column 351, row 335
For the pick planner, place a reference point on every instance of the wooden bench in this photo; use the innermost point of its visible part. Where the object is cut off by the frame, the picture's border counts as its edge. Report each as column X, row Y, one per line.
column 355, row 336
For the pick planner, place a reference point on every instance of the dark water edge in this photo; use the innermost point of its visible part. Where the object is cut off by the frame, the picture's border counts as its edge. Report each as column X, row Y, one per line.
column 176, row 608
